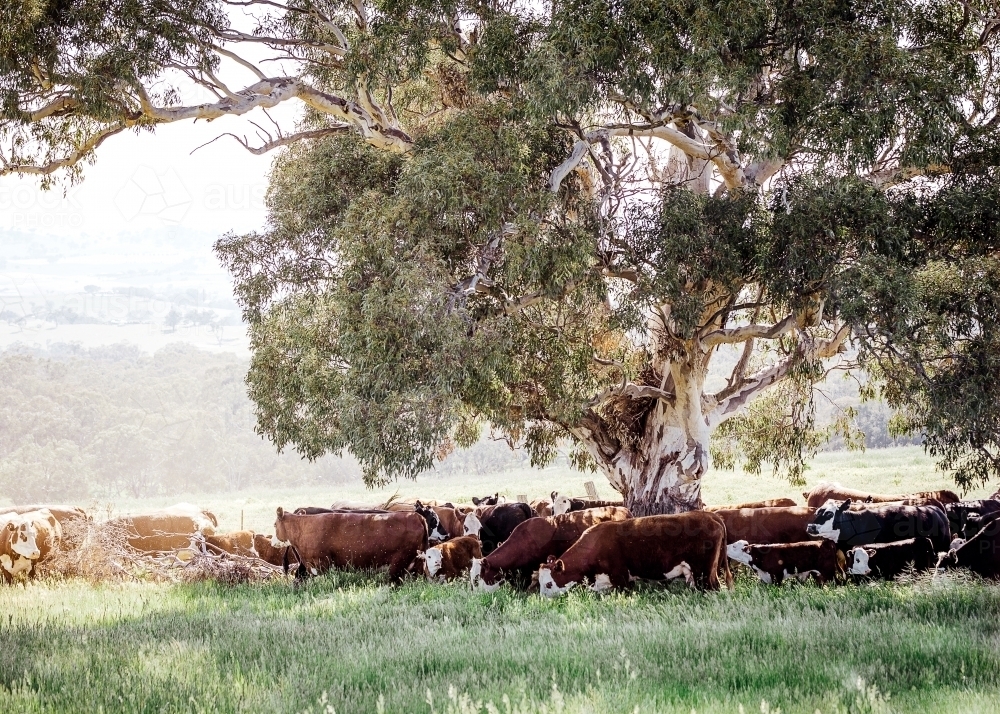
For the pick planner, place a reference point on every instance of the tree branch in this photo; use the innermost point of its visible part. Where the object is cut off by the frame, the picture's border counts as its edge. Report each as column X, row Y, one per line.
column 748, row 332
column 729, row 405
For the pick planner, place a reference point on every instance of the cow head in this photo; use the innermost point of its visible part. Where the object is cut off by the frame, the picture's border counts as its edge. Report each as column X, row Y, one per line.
column 472, row 525
column 956, row 543
column 432, row 558
column 560, row 504
column 476, row 576
column 602, row 583
column 549, row 576
column 280, row 537
column 826, row 522
column 486, row 500
column 857, row 560
column 23, row 539
column 739, row 551
column 949, row 559
column 435, row 531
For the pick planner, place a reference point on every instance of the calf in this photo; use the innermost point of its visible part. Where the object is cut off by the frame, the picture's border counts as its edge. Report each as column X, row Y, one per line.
column 265, row 549
column 825, row 491
column 980, row 554
column 884, row 524
column 771, row 503
column 614, row 553
column 774, row 563
column 494, row 524
column 536, row 539
column 766, row 525
column 966, row 517
column 357, row 540
column 449, row 560
column 235, row 543
column 887, row 560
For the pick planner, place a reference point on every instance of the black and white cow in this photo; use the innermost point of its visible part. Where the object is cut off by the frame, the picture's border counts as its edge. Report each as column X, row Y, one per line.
column 494, row 524
column 887, row 560
column 880, row 524
column 435, row 531
column 981, row 553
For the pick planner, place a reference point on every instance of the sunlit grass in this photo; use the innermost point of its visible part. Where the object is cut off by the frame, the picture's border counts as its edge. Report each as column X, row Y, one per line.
column 361, row 644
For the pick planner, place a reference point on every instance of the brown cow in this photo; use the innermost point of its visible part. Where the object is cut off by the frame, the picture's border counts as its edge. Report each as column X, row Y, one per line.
column 182, row 519
column 536, row 539
column 235, row 543
column 63, row 514
column 613, row 553
column 358, row 540
column 542, row 507
column 773, row 563
column 26, row 540
column 451, row 521
column 770, row 503
column 451, row 559
column 767, row 525
column 825, row 491
column 266, row 551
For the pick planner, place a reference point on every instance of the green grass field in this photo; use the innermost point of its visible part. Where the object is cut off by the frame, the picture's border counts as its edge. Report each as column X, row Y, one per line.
column 348, row 642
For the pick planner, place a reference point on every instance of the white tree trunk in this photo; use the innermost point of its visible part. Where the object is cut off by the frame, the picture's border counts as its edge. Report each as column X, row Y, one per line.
column 661, row 471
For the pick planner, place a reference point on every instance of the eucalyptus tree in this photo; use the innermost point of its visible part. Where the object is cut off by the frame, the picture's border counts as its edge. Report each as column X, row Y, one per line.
column 553, row 217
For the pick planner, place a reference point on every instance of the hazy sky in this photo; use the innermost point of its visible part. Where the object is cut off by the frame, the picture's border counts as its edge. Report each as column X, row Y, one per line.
column 150, row 180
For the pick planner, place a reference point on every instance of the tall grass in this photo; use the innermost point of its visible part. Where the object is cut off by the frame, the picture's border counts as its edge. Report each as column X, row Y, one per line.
column 347, row 642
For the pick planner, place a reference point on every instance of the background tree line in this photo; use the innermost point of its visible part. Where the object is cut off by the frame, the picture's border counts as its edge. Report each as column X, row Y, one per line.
column 103, row 422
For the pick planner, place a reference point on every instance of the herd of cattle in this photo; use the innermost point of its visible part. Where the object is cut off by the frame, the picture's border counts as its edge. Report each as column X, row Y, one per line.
column 556, row 543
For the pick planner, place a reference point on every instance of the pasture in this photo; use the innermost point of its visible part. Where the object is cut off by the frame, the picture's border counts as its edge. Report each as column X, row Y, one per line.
column 348, row 642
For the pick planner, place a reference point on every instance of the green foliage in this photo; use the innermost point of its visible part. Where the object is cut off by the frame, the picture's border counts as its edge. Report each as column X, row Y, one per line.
column 832, row 173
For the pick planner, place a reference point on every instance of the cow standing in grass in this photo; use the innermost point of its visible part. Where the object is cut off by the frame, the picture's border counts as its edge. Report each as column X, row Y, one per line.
column 356, row 540
column 613, row 554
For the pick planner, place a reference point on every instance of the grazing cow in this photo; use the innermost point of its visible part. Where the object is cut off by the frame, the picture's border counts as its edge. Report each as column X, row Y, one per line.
column 770, row 503
column 882, row 524
column 486, row 500
column 494, row 524
column 536, row 539
column 782, row 524
column 981, row 553
column 887, row 560
column 452, row 559
column 966, row 517
column 358, row 540
column 266, row 551
column 825, row 491
column 235, row 543
column 773, row 563
column 26, row 540
column 614, row 553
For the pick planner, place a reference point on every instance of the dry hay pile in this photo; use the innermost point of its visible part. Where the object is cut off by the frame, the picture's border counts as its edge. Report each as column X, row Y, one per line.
column 99, row 552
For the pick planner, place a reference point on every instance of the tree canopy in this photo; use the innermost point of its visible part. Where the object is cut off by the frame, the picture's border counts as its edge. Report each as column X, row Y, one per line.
column 553, row 217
